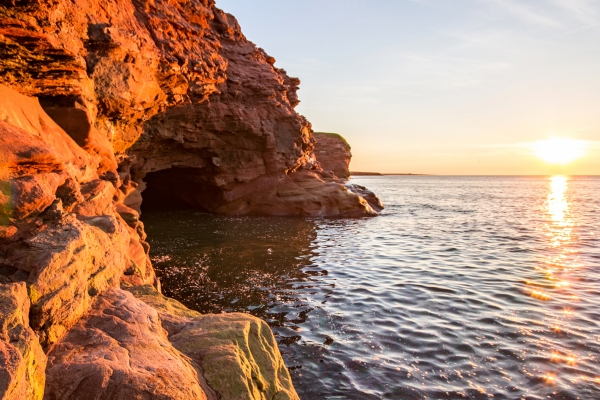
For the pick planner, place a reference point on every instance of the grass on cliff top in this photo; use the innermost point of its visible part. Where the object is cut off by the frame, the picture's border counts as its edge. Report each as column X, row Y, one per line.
column 333, row 135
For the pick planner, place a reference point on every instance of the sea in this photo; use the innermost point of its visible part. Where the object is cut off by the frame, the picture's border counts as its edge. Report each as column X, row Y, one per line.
column 465, row 287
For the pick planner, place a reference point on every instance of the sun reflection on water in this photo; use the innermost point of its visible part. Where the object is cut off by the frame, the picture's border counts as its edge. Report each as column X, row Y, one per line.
column 554, row 272
column 560, row 226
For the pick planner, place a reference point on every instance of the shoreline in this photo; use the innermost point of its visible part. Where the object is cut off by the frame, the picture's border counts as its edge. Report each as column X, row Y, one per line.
column 384, row 174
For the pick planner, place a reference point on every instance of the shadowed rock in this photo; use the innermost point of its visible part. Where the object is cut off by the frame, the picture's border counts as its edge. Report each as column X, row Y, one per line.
column 333, row 153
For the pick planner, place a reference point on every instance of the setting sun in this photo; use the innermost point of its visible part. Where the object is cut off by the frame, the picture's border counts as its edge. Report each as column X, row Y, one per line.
column 559, row 150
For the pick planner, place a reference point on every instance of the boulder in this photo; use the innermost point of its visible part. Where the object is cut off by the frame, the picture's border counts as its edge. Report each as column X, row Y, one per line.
column 239, row 357
column 120, row 351
column 68, row 264
column 237, row 353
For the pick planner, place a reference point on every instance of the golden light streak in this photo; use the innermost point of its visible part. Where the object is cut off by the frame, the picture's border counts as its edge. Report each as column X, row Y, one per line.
column 557, row 203
column 570, row 359
column 550, row 379
column 538, row 294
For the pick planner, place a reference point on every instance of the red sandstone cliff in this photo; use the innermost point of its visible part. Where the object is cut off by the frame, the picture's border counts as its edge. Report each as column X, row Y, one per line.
column 104, row 105
column 174, row 90
column 333, row 153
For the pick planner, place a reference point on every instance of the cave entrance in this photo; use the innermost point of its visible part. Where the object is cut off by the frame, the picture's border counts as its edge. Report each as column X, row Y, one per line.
column 177, row 189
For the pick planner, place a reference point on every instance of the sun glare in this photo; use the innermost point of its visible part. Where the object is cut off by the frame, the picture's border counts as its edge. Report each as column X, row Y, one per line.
column 559, row 150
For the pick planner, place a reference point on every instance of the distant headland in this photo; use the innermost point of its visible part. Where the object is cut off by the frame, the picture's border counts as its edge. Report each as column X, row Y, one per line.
column 357, row 173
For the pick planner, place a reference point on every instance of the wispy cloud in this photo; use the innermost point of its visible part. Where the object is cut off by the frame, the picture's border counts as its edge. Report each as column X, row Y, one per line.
column 584, row 10
column 443, row 71
column 528, row 14
column 553, row 13
column 593, row 145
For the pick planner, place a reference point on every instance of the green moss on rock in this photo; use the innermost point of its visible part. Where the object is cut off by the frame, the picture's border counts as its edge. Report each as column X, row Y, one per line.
column 237, row 352
column 163, row 304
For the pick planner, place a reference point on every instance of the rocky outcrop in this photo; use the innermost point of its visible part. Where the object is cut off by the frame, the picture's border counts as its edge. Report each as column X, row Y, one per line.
column 108, row 107
column 175, row 89
column 120, row 351
column 370, row 197
column 333, row 153
column 237, row 353
column 67, row 245
column 62, row 234
column 22, row 360
column 241, row 151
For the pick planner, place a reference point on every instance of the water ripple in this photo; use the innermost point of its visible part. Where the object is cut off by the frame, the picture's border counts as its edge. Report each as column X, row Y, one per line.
column 466, row 287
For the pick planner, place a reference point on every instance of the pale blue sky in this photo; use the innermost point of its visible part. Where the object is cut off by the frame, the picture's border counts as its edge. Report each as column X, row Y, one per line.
column 440, row 86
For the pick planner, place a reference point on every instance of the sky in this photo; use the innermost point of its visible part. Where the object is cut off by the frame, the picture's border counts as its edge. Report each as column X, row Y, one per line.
column 440, row 86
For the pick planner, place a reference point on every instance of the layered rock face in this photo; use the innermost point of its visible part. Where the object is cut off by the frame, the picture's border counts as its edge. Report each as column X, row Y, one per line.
column 67, row 245
column 21, row 357
column 60, row 231
column 67, row 331
column 333, row 153
column 108, row 107
column 174, row 90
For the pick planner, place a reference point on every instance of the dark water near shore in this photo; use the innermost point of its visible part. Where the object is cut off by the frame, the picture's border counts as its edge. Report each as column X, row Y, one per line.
column 465, row 287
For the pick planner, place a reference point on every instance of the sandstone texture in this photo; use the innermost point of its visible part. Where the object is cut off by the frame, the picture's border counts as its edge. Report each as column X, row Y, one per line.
column 22, row 359
column 333, row 153
column 61, row 233
column 173, row 89
column 236, row 353
column 120, row 351
column 110, row 108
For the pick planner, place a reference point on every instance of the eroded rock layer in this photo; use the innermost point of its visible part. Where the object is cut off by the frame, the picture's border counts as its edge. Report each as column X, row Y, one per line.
column 333, row 153
column 109, row 107
column 165, row 85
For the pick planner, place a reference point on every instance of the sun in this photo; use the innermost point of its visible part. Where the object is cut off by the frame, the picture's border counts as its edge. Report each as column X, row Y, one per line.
column 559, row 150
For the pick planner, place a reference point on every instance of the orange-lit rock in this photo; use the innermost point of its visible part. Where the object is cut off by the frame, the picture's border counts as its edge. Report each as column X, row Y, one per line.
column 22, row 361
column 107, row 107
column 66, row 265
column 63, row 237
column 120, row 351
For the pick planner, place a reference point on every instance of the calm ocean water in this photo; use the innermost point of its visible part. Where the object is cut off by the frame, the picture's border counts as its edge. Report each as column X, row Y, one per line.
column 465, row 287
